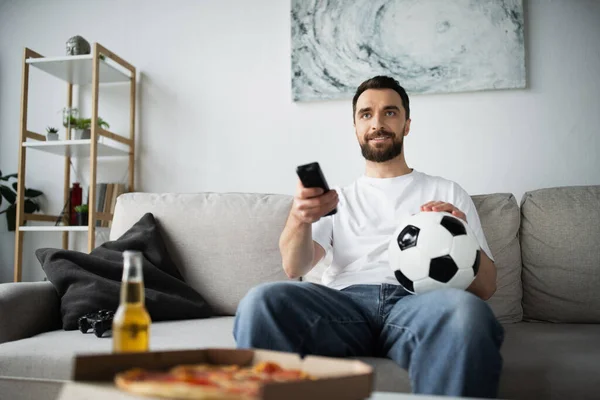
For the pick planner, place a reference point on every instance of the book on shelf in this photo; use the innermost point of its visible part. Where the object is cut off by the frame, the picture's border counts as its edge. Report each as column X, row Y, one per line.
column 106, row 199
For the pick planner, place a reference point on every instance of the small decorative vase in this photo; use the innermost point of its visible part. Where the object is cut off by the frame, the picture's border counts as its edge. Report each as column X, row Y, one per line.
column 51, row 136
column 69, row 114
column 82, row 218
column 11, row 217
column 83, row 133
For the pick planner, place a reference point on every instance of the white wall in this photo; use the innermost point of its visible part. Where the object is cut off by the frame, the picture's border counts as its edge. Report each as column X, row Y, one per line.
column 216, row 111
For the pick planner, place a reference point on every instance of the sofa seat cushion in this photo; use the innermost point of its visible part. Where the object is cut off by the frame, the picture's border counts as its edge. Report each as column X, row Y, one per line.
column 550, row 361
column 50, row 355
column 557, row 360
column 560, row 238
column 541, row 360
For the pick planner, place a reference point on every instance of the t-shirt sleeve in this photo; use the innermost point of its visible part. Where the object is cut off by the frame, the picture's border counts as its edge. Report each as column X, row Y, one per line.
column 464, row 203
column 322, row 233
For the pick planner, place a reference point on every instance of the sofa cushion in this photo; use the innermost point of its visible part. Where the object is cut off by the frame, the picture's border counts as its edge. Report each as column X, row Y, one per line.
column 50, row 355
column 224, row 243
column 560, row 240
column 541, row 360
column 90, row 282
column 550, row 361
column 500, row 219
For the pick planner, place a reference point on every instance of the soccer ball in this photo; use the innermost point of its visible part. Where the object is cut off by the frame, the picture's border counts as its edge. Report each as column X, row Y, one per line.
column 434, row 250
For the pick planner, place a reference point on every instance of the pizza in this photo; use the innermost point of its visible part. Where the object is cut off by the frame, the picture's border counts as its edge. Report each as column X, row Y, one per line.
column 205, row 381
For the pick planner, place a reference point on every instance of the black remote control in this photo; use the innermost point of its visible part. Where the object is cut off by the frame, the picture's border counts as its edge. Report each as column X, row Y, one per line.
column 311, row 176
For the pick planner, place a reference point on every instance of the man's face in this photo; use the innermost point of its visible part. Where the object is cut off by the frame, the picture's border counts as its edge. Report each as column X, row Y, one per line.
column 380, row 124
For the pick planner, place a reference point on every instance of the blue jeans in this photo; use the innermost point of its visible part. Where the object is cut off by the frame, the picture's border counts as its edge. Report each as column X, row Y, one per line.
column 448, row 340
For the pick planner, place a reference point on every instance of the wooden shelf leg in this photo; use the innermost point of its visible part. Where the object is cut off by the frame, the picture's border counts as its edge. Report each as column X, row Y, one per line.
column 18, row 266
column 93, row 150
column 132, row 131
column 67, row 174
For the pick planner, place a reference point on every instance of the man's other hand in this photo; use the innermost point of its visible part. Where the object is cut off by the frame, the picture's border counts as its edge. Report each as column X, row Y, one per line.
column 441, row 206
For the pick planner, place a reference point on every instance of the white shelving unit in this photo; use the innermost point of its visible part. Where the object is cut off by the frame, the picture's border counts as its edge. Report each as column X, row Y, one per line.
column 77, row 70
column 61, row 228
column 100, row 67
column 80, row 148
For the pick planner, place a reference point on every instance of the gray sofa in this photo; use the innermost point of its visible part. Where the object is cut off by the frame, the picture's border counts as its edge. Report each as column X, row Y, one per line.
column 547, row 252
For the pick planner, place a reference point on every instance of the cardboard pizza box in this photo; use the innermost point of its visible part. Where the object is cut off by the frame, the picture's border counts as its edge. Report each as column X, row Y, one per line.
column 337, row 378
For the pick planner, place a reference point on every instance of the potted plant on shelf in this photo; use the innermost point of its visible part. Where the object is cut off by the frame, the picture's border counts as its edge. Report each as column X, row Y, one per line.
column 9, row 193
column 70, row 116
column 83, row 127
column 82, row 214
column 51, row 133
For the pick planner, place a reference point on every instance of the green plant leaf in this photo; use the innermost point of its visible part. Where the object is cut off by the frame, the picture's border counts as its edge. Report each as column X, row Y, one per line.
column 102, row 123
column 32, row 193
column 15, row 186
column 81, row 208
column 70, row 121
column 8, row 194
column 7, row 177
column 31, row 206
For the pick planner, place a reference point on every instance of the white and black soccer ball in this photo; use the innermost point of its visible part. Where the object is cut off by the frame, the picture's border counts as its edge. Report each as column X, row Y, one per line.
column 434, row 250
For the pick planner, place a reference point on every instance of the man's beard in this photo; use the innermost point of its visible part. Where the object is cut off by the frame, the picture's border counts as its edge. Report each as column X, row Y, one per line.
column 383, row 153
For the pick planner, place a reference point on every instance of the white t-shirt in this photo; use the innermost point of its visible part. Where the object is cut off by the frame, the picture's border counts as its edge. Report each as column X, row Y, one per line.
column 369, row 211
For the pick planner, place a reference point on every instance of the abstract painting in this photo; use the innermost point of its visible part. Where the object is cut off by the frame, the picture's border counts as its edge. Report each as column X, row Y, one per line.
column 429, row 46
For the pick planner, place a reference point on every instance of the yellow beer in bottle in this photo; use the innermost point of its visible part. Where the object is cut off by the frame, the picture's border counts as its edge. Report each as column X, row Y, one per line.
column 131, row 323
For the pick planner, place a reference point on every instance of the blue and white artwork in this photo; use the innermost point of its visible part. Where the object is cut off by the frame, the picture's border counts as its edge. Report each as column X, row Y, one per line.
column 429, row 46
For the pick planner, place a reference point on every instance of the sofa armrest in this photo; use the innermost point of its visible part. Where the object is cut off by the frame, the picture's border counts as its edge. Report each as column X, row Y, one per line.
column 27, row 309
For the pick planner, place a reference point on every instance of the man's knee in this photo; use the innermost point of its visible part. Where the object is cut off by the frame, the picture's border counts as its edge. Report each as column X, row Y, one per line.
column 269, row 291
column 259, row 310
column 266, row 299
column 465, row 313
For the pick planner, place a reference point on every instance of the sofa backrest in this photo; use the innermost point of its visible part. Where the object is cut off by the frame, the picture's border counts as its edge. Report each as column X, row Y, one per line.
column 560, row 240
column 224, row 244
column 500, row 220
column 227, row 243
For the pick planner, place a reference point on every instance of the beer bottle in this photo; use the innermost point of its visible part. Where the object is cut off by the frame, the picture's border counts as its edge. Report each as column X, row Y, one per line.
column 131, row 323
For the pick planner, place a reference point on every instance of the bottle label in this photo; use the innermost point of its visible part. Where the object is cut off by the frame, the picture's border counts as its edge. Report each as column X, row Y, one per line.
column 134, row 329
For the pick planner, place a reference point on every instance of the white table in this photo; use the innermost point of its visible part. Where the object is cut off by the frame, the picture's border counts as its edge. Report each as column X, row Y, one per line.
column 42, row 389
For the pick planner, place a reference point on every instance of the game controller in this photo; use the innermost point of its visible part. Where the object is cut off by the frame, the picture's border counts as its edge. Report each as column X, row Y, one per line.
column 99, row 321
